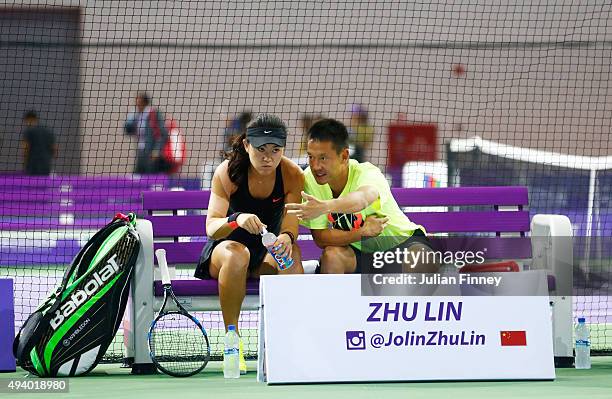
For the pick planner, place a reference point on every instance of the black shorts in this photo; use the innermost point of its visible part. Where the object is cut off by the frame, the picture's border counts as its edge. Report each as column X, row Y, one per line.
column 418, row 237
column 258, row 253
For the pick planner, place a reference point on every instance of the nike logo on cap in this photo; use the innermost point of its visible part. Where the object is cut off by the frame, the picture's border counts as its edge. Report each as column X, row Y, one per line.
column 267, row 131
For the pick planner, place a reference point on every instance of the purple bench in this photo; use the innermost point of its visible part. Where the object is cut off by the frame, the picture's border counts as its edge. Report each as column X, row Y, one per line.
column 67, row 182
column 67, row 209
column 184, row 234
column 477, row 213
column 65, row 202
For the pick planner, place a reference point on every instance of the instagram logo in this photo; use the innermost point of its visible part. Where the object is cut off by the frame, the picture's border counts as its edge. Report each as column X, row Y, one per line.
column 355, row 340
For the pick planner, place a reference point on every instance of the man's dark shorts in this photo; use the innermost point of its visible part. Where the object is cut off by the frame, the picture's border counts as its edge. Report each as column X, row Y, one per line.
column 365, row 262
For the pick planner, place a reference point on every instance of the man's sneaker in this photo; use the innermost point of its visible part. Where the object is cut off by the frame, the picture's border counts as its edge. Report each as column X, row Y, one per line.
column 243, row 366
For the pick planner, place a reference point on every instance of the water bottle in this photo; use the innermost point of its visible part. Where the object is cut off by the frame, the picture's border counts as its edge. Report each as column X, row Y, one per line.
column 231, row 362
column 583, row 345
column 268, row 239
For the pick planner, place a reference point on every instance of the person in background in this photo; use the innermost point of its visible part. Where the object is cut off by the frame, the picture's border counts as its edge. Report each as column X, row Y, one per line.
column 361, row 133
column 39, row 146
column 306, row 121
column 235, row 127
column 149, row 126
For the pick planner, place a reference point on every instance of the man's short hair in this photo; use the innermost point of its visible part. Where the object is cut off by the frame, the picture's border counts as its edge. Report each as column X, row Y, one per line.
column 30, row 114
column 146, row 97
column 330, row 130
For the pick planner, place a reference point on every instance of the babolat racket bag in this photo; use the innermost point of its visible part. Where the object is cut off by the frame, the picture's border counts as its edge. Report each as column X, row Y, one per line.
column 70, row 331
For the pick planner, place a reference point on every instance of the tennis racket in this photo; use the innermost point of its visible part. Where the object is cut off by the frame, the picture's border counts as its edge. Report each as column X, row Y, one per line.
column 178, row 344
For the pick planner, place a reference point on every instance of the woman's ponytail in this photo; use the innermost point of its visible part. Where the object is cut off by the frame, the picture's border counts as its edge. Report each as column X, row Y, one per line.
column 238, row 160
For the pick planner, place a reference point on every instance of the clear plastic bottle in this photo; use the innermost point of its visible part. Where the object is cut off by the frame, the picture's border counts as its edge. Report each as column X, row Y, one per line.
column 268, row 239
column 583, row 345
column 231, row 362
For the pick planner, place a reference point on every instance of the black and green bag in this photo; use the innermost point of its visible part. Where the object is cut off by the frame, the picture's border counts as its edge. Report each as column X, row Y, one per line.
column 70, row 331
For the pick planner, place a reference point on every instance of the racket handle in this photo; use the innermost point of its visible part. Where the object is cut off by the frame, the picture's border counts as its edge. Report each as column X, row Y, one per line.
column 163, row 266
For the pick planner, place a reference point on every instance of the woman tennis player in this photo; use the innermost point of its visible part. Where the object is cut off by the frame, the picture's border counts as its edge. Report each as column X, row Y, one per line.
column 249, row 192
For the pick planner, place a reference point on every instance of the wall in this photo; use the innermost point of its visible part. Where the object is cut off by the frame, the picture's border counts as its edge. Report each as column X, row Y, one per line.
column 536, row 75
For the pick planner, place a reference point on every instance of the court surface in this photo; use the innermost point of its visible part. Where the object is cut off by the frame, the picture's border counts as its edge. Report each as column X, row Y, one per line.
column 111, row 382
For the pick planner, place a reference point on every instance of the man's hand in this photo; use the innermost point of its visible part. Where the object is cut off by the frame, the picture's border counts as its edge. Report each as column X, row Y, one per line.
column 310, row 209
column 373, row 226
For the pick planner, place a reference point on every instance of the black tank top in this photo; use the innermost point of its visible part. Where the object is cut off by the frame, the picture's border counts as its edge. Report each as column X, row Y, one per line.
column 270, row 210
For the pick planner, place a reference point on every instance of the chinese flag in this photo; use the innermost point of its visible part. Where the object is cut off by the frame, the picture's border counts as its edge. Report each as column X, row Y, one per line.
column 513, row 338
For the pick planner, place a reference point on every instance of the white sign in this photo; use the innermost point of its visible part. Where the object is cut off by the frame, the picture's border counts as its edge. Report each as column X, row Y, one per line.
column 321, row 329
column 418, row 174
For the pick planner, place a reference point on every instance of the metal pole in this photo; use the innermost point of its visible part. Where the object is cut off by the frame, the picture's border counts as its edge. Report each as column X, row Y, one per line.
column 589, row 231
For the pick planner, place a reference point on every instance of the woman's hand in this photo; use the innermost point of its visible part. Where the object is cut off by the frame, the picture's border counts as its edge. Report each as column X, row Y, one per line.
column 283, row 245
column 250, row 223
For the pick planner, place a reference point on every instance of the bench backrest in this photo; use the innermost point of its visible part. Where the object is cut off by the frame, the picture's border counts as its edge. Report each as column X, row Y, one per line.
column 82, row 202
column 487, row 212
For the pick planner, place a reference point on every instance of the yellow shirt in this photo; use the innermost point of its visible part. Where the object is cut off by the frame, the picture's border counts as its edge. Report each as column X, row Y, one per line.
column 399, row 227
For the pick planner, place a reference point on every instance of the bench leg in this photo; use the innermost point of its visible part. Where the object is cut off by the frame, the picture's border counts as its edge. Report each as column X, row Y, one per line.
column 552, row 241
column 128, row 333
column 142, row 301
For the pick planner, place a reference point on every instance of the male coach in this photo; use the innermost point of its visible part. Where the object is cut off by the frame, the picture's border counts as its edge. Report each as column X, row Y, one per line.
column 356, row 198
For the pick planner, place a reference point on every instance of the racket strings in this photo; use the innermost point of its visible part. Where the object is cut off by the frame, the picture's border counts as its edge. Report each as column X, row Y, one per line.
column 178, row 344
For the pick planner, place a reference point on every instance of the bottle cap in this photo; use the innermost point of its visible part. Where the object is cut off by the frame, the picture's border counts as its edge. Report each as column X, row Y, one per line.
column 581, row 320
column 231, row 327
column 268, row 238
